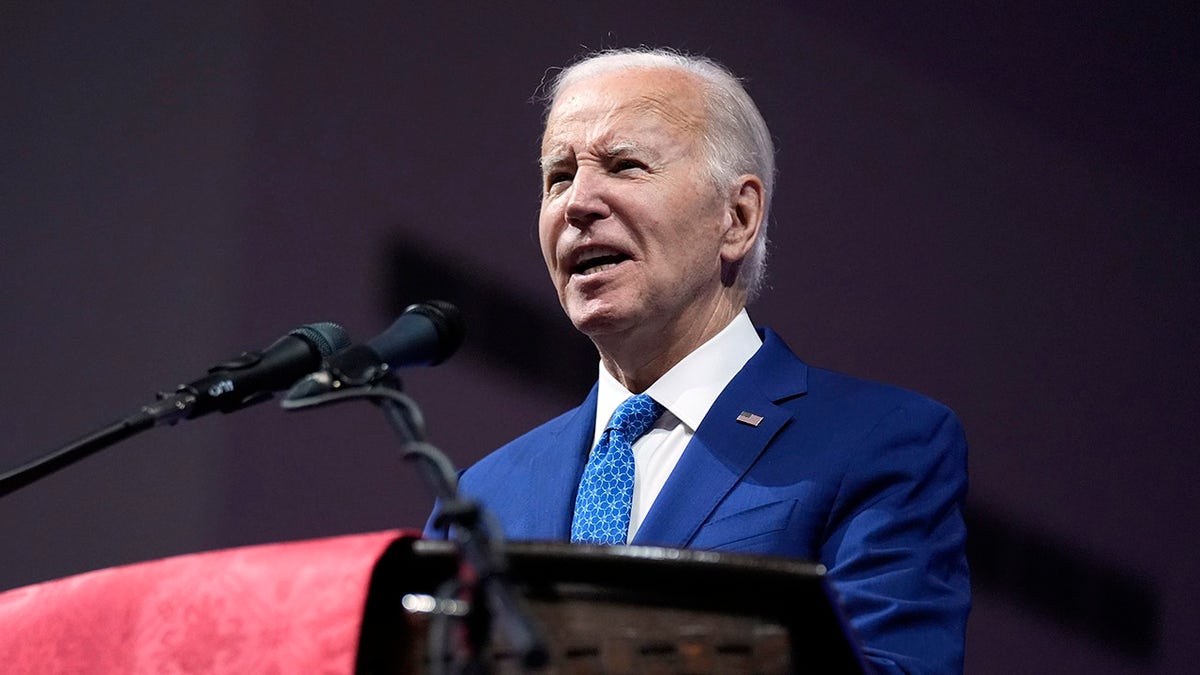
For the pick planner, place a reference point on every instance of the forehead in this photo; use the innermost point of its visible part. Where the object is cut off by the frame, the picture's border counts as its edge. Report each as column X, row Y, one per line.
column 620, row 106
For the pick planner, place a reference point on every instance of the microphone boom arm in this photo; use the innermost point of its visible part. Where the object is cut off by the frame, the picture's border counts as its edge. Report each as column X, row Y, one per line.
column 231, row 385
column 167, row 410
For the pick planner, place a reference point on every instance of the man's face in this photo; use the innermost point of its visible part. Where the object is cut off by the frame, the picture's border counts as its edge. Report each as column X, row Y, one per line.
column 631, row 223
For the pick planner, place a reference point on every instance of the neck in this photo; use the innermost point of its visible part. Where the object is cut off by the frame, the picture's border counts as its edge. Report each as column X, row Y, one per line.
column 638, row 358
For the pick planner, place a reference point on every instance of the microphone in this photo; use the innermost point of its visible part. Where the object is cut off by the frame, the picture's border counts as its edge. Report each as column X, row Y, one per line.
column 426, row 334
column 253, row 376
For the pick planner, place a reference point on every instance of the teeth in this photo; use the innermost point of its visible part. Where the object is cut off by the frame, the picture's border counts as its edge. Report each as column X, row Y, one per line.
column 598, row 268
column 593, row 253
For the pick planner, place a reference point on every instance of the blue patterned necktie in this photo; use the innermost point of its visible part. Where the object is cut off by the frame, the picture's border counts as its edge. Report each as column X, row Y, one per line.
column 606, row 491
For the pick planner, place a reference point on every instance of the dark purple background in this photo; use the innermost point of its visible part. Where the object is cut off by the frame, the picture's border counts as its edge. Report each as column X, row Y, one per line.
column 995, row 205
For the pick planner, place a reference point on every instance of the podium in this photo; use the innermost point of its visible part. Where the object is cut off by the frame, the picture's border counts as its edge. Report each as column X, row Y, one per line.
column 338, row 605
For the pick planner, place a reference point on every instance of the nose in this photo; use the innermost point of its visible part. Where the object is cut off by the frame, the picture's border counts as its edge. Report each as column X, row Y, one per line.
column 588, row 199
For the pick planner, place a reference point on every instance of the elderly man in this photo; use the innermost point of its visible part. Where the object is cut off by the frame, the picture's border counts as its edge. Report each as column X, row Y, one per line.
column 702, row 431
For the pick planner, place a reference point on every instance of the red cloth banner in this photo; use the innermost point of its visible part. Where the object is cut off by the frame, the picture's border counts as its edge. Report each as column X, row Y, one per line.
column 278, row 608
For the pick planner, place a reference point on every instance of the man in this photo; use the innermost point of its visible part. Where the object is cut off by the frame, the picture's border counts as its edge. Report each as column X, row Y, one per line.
column 657, row 170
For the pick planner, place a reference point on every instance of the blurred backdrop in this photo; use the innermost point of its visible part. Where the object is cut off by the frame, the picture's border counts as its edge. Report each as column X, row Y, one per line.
column 992, row 203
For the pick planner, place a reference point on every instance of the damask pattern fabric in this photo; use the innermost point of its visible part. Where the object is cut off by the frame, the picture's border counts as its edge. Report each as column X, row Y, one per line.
column 606, row 491
column 278, row 608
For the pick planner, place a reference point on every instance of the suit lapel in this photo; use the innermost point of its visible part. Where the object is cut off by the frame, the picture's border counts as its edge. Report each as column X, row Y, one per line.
column 553, row 491
column 723, row 448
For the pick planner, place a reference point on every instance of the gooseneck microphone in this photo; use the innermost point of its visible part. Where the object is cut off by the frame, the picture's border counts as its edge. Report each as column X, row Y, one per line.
column 233, row 384
column 426, row 334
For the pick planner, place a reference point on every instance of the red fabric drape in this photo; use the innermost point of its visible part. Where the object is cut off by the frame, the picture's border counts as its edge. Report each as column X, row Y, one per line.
column 279, row 608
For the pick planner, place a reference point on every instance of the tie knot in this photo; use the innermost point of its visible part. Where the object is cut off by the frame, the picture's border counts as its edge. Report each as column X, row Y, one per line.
column 634, row 416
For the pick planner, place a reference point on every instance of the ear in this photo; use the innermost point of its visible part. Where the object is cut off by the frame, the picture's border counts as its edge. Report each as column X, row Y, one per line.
column 746, row 204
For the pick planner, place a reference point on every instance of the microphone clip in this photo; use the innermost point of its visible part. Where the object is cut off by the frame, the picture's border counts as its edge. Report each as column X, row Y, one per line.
column 355, row 367
column 358, row 373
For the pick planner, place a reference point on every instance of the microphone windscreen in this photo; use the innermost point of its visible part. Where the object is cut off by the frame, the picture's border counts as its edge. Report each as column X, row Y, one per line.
column 426, row 334
column 329, row 338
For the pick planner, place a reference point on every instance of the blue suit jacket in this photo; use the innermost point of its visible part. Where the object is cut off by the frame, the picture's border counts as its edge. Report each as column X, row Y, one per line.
column 864, row 478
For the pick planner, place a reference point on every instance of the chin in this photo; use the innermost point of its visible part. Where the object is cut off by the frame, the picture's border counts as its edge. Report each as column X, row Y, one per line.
column 595, row 319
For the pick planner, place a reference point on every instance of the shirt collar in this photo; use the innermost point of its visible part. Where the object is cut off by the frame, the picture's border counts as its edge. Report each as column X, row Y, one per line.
column 689, row 388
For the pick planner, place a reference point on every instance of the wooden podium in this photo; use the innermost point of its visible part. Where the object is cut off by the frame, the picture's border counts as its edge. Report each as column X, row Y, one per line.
column 627, row 609
column 338, row 606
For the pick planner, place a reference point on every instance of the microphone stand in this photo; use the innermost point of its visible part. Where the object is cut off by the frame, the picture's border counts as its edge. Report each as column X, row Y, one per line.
column 233, row 384
column 169, row 409
column 483, row 565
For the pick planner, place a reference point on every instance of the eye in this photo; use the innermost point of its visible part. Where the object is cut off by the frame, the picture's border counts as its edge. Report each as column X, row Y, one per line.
column 626, row 164
column 555, row 177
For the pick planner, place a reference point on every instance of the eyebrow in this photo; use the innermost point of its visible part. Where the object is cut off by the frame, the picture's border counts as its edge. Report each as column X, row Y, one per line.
column 623, row 148
column 617, row 149
column 553, row 160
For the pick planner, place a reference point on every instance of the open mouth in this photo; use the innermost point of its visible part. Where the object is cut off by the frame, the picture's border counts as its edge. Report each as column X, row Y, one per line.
column 597, row 260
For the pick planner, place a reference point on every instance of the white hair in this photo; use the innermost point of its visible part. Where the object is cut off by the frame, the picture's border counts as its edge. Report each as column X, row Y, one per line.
column 736, row 139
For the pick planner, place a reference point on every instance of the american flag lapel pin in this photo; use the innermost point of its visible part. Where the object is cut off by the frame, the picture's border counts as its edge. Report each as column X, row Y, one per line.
column 750, row 418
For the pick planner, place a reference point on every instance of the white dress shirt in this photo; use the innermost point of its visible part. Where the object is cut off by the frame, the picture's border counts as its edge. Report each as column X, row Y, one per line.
column 687, row 391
